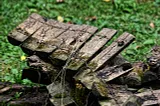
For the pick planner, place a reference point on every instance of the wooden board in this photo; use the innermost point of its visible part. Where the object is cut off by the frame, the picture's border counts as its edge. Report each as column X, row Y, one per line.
column 72, row 41
column 151, row 97
column 56, row 90
column 112, row 50
column 35, row 40
column 91, row 48
column 43, row 41
column 109, row 73
column 25, row 29
column 88, row 76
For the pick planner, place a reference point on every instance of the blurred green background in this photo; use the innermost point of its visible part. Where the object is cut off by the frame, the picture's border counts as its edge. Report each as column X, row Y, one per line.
column 138, row 17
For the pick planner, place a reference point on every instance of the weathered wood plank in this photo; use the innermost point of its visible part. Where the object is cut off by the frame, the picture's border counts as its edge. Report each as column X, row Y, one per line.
column 115, row 48
column 25, row 29
column 50, row 42
column 100, row 90
column 89, row 76
column 151, row 97
column 91, row 48
column 57, row 92
column 134, row 101
column 61, row 25
column 147, row 98
column 30, row 45
column 82, row 28
column 110, row 73
column 72, row 41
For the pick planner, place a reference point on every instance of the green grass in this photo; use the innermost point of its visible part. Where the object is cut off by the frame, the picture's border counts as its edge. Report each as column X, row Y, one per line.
column 123, row 15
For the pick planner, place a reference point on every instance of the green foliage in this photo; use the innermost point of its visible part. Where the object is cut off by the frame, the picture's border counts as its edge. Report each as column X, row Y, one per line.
column 125, row 5
column 17, row 95
column 123, row 15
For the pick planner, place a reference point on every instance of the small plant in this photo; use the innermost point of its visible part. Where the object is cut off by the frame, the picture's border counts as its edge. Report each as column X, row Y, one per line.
column 125, row 5
column 17, row 95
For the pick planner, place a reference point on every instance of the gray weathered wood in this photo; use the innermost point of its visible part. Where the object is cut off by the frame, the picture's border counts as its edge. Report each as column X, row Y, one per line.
column 151, row 97
column 61, row 25
column 82, row 28
column 58, row 92
column 134, row 101
column 110, row 73
column 25, row 29
column 72, row 41
column 88, row 76
column 91, row 48
column 100, row 90
column 147, row 98
column 36, row 40
column 115, row 48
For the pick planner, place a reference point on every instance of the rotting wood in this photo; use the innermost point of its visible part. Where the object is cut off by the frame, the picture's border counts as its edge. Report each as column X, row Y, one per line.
column 147, row 98
column 61, row 25
column 25, row 29
column 149, row 76
column 115, row 48
column 151, row 97
column 82, row 28
column 40, row 71
column 90, row 49
column 43, row 42
column 134, row 100
column 88, row 76
column 22, row 95
column 100, row 90
column 35, row 41
column 110, row 73
column 72, row 41
column 60, row 94
column 60, row 41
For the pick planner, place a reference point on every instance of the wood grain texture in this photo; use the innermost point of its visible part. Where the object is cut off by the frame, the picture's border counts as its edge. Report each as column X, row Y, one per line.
column 89, row 76
column 112, row 50
column 91, row 48
column 25, row 29
column 72, row 41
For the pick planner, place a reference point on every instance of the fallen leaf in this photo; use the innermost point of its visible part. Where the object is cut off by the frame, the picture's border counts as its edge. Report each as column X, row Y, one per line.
column 106, row 0
column 151, row 25
column 137, row 47
column 60, row 19
column 59, row 1
column 93, row 18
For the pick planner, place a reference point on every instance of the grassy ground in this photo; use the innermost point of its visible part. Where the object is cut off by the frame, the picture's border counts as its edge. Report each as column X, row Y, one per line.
column 139, row 19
